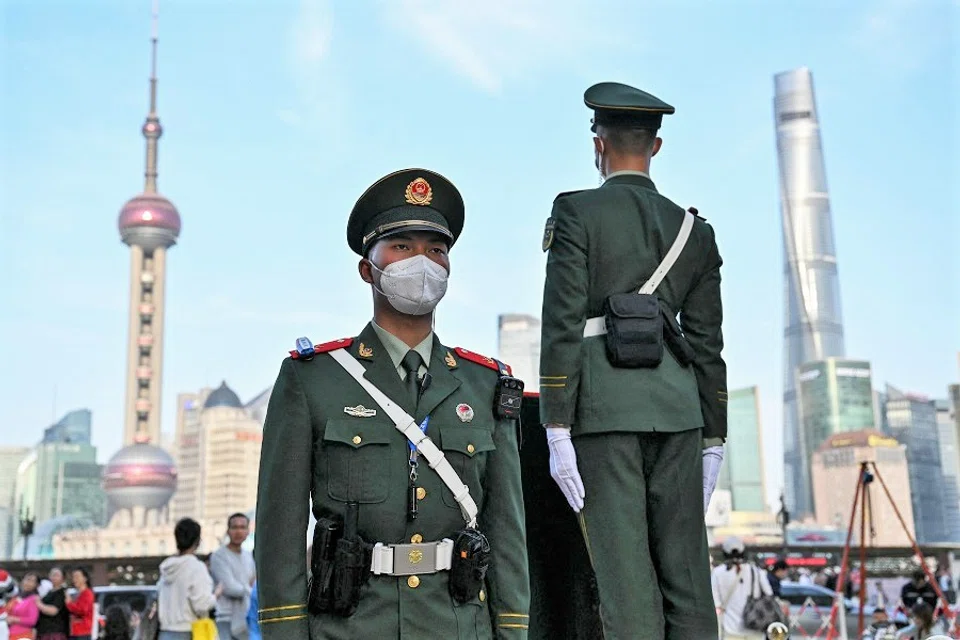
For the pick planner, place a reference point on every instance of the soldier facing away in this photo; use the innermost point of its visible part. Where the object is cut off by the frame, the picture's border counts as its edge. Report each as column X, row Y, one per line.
column 636, row 396
column 412, row 540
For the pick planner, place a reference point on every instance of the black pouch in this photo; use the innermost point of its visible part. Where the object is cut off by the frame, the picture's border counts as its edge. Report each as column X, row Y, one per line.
column 634, row 330
column 325, row 536
column 471, row 557
column 351, row 572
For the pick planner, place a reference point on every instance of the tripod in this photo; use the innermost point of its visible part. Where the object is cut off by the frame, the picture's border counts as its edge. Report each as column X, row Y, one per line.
column 862, row 499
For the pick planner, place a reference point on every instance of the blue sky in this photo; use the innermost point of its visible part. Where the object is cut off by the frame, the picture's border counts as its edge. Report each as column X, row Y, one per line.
column 277, row 116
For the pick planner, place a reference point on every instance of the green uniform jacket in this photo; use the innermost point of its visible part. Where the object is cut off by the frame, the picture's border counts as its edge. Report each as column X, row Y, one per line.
column 313, row 449
column 610, row 240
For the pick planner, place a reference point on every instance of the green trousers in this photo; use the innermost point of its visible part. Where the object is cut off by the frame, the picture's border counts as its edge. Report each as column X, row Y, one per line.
column 643, row 525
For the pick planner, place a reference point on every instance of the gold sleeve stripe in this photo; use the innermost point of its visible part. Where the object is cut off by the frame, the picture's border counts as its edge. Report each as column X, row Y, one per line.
column 553, row 377
column 514, row 615
column 513, row 626
column 284, row 619
column 284, row 608
column 555, row 386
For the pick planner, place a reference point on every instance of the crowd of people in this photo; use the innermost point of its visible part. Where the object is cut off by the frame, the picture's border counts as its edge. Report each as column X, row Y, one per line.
column 216, row 597
column 738, row 583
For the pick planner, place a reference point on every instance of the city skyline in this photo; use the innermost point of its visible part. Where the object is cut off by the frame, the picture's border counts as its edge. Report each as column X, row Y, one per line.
column 269, row 174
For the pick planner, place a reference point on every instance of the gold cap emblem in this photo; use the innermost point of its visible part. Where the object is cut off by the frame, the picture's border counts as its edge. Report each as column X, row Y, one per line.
column 419, row 192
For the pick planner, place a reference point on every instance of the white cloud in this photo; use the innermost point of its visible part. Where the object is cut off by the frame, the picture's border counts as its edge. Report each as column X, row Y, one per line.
column 494, row 41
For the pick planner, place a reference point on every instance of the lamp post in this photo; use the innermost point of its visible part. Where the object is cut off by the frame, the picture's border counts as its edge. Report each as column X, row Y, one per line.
column 26, row 530
column 783, row 519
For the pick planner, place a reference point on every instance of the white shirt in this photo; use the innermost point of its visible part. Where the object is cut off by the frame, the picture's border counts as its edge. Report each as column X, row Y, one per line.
column 731, row 589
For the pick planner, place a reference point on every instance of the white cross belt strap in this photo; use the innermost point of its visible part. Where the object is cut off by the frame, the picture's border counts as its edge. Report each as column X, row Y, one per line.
column 409, row 428
column 598, row 326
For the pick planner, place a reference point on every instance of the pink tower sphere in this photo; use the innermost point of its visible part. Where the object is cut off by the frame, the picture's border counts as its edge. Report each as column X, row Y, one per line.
column 149, row 220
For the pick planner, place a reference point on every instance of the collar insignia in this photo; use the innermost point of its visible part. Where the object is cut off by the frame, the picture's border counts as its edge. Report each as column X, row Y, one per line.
column 419, row 192
column 449, row 359
column 360, row 411
column 364, row 351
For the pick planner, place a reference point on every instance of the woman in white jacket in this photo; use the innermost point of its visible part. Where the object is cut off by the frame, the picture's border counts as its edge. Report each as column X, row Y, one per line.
column 733, row 582
column 185, row 590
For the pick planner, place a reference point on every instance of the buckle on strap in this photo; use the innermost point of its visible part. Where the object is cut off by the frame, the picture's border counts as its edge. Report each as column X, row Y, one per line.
column 411, row 559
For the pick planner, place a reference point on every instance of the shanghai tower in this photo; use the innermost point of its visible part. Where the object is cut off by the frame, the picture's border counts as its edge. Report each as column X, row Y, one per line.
column 813, row 322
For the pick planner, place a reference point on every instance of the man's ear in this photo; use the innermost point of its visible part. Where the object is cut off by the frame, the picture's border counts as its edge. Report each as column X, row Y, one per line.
column 366, row 271
column 656, row 146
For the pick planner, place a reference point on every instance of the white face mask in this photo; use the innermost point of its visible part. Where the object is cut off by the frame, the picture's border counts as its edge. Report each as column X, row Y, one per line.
column 414, row 285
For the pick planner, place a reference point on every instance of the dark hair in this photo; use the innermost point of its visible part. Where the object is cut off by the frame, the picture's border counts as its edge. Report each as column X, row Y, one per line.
column 919, row 574
column 84, row 572
column 780, row 565
column 628, row 141
column 923, row 612
column 116, row 624
column 237, row 515
column 36, row 576
column 187, row 534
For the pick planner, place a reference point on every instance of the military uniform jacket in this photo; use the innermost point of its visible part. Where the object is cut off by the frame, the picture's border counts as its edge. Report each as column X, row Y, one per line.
column 312, row 448
column 610, row 240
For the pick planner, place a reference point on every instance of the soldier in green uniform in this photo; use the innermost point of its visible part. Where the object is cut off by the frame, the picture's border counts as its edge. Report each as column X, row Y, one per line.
column 330, row 439
column 648, row 439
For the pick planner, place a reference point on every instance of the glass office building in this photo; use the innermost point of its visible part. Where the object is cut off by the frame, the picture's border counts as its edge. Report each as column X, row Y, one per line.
column 742, row 471
column 834, row 396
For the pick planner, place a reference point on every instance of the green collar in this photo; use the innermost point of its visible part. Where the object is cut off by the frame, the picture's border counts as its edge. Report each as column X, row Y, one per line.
column 397, row 349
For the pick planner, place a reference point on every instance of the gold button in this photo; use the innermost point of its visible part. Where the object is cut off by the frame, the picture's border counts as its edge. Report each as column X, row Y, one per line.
column 413, row 582
column 483, row 595
column 421, row 493
column 357, row 439
column 416, row 538
column 471, row 448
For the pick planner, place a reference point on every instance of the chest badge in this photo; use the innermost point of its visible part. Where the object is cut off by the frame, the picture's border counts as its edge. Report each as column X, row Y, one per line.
column 464, row 412
column 360, row 411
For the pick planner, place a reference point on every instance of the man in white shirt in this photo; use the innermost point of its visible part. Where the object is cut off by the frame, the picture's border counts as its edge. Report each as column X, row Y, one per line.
column 733, row 582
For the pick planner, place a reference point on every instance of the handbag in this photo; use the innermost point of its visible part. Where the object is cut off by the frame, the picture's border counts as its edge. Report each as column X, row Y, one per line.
column 204, row 629
column 761, row 611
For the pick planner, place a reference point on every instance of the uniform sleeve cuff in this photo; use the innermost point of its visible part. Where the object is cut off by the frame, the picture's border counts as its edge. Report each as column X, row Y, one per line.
column 713, row 442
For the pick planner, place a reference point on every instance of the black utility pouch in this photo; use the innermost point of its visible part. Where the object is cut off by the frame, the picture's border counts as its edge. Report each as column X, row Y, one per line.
column 471, row 557
column 325, row 537
column 634, row 330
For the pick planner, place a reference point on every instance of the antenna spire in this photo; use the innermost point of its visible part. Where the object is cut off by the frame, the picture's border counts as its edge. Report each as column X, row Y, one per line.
column 151, row 128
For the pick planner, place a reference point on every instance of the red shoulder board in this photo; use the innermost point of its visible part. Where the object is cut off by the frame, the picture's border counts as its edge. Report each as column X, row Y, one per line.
column 326, row 347
column 490, row 363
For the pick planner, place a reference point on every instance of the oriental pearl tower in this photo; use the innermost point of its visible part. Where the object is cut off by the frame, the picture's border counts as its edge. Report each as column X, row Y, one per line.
column 141, row 478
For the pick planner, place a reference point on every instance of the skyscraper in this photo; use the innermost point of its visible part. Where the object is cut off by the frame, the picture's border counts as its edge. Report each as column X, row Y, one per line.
column 742, row 472
column 149, row 224
column 913, row 421
column 519, row 346
column 813, row 322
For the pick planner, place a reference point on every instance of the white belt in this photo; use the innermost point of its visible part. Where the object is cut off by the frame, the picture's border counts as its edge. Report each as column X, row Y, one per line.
column 595, row 327
column 412, row 559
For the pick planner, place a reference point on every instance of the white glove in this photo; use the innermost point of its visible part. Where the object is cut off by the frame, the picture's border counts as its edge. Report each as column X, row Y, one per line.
column 563, row 466
column 712, row 460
